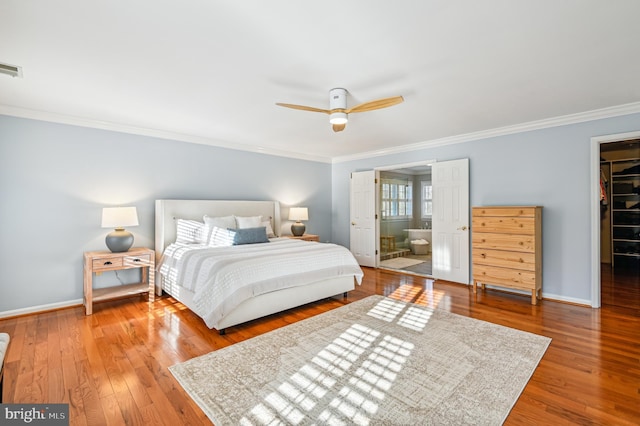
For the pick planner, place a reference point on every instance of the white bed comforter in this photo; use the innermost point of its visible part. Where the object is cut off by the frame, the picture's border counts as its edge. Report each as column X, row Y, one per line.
column 223, row 277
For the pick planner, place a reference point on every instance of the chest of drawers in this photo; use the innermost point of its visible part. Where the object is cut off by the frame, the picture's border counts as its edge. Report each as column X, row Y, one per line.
column 507, row 248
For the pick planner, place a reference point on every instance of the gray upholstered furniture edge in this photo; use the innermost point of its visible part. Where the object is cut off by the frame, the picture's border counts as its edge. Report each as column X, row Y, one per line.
column 4, row 346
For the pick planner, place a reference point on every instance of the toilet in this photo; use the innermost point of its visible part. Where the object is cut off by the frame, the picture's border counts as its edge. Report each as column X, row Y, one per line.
column 420, row 247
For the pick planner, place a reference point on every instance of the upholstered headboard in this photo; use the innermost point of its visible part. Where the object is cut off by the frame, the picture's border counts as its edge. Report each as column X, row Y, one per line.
column 167, row 211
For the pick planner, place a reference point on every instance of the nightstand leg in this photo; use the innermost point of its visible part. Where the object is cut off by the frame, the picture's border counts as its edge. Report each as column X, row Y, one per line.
column 151, row 274
column 88, row 289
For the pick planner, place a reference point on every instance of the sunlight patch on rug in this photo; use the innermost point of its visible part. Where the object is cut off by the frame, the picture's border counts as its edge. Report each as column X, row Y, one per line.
column 374, row 361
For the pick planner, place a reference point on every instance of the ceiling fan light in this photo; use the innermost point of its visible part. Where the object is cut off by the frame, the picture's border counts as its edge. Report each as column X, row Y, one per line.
column 338, row 118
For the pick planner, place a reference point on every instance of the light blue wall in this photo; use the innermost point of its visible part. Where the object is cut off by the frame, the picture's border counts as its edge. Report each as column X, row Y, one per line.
column 549, row 167
column 55, row 179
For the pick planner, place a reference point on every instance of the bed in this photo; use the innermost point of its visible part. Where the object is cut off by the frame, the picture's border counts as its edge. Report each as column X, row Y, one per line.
column 244, row 300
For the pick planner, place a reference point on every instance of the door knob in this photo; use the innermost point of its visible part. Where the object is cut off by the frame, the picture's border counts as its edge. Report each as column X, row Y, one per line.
column 462, row 228
column 353, row 223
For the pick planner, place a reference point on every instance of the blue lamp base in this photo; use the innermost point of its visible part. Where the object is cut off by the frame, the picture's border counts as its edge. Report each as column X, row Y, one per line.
column 297, row 229
column 119, row 240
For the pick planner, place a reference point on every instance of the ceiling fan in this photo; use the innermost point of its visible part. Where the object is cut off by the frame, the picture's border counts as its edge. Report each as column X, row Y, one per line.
column 338, row 111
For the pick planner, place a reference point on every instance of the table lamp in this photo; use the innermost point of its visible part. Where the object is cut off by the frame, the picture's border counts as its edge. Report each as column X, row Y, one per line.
column 298, row 214
column 119, row 240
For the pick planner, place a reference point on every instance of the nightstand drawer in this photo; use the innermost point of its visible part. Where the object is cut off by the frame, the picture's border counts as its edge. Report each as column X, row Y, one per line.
column 136, row 261
column 305, row 237
column 106, row 264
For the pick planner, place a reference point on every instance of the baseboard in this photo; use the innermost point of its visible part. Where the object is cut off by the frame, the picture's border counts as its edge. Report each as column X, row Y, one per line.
column 545, row 296
column 563, row 299
column 40, row 309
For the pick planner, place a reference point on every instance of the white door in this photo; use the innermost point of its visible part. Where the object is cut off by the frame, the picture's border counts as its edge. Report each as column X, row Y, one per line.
column 450, row 220
column 363, row 217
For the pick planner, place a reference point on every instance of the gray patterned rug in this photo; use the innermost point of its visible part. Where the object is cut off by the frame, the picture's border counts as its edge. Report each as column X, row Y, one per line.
column 376, row 361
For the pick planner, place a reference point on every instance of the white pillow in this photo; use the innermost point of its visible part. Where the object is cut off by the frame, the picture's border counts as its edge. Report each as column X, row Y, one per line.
column 191, row 232
column 221, row 237
column 267, row 225
column 223, row 222
column 244, row 222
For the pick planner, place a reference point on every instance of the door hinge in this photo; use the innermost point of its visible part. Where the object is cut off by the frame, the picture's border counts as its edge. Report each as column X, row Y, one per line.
column 375, row 180
column 376, row 252
column 376, row 216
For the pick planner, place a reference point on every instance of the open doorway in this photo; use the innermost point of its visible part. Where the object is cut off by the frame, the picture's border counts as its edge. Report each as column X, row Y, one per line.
column 620, row 223
column 405, row 211
column 450, row 247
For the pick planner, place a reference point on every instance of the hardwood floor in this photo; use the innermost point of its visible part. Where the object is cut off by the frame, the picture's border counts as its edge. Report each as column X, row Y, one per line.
column 620, row 287
column 111, row 367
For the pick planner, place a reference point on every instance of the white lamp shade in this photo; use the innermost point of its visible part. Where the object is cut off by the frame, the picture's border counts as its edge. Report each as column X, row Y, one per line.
column 119, row 217
column 298, row 213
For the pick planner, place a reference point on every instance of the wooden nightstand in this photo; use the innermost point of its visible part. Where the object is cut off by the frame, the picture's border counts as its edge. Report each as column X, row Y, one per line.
column 306, row 237
column 101, row 261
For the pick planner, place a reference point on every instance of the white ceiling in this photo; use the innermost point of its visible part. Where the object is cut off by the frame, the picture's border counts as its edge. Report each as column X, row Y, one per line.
column 211, row 71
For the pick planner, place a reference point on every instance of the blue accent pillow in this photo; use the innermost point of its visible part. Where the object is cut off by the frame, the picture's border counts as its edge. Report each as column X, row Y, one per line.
column 249, row 235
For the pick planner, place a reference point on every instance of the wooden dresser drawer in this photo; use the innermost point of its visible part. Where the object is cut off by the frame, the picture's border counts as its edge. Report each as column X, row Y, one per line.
column 524, row 211
column 513, row 278
column 505, row 259
column 504, row 225
column 136, row 261
column 509, row 242
column 107, row 264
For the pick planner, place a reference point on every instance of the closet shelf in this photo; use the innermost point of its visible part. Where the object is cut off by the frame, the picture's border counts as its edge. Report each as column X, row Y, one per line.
column 625, row 222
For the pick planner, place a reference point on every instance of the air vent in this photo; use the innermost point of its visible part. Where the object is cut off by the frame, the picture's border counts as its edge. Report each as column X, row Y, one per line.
column 11, row 70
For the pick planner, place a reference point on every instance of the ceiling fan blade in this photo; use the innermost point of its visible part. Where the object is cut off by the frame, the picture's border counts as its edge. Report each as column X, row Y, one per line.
column 339, row 127
column 304, row 108
column 377, row 104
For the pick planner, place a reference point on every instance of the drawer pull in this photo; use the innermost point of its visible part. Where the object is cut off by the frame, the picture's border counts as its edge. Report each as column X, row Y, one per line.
column 108, row 262
column 136, row 260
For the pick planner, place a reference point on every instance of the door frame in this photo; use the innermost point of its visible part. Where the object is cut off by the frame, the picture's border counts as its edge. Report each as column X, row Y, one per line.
column 406, row 165
column 596, row 141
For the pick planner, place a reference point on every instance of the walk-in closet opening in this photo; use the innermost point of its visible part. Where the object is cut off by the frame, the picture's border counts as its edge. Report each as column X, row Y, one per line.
column 620, row 223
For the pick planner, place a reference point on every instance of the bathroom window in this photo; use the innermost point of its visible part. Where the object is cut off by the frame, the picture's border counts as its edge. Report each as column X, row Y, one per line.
column 397, row 200
column 427, row 199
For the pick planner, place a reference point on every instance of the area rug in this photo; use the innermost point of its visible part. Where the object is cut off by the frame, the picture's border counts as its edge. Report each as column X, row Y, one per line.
column 376, row 361
column 399, row 262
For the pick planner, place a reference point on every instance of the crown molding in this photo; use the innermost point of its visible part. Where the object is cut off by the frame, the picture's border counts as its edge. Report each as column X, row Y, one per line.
column 581, row 117
column 615, row 111
column 142, row 131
